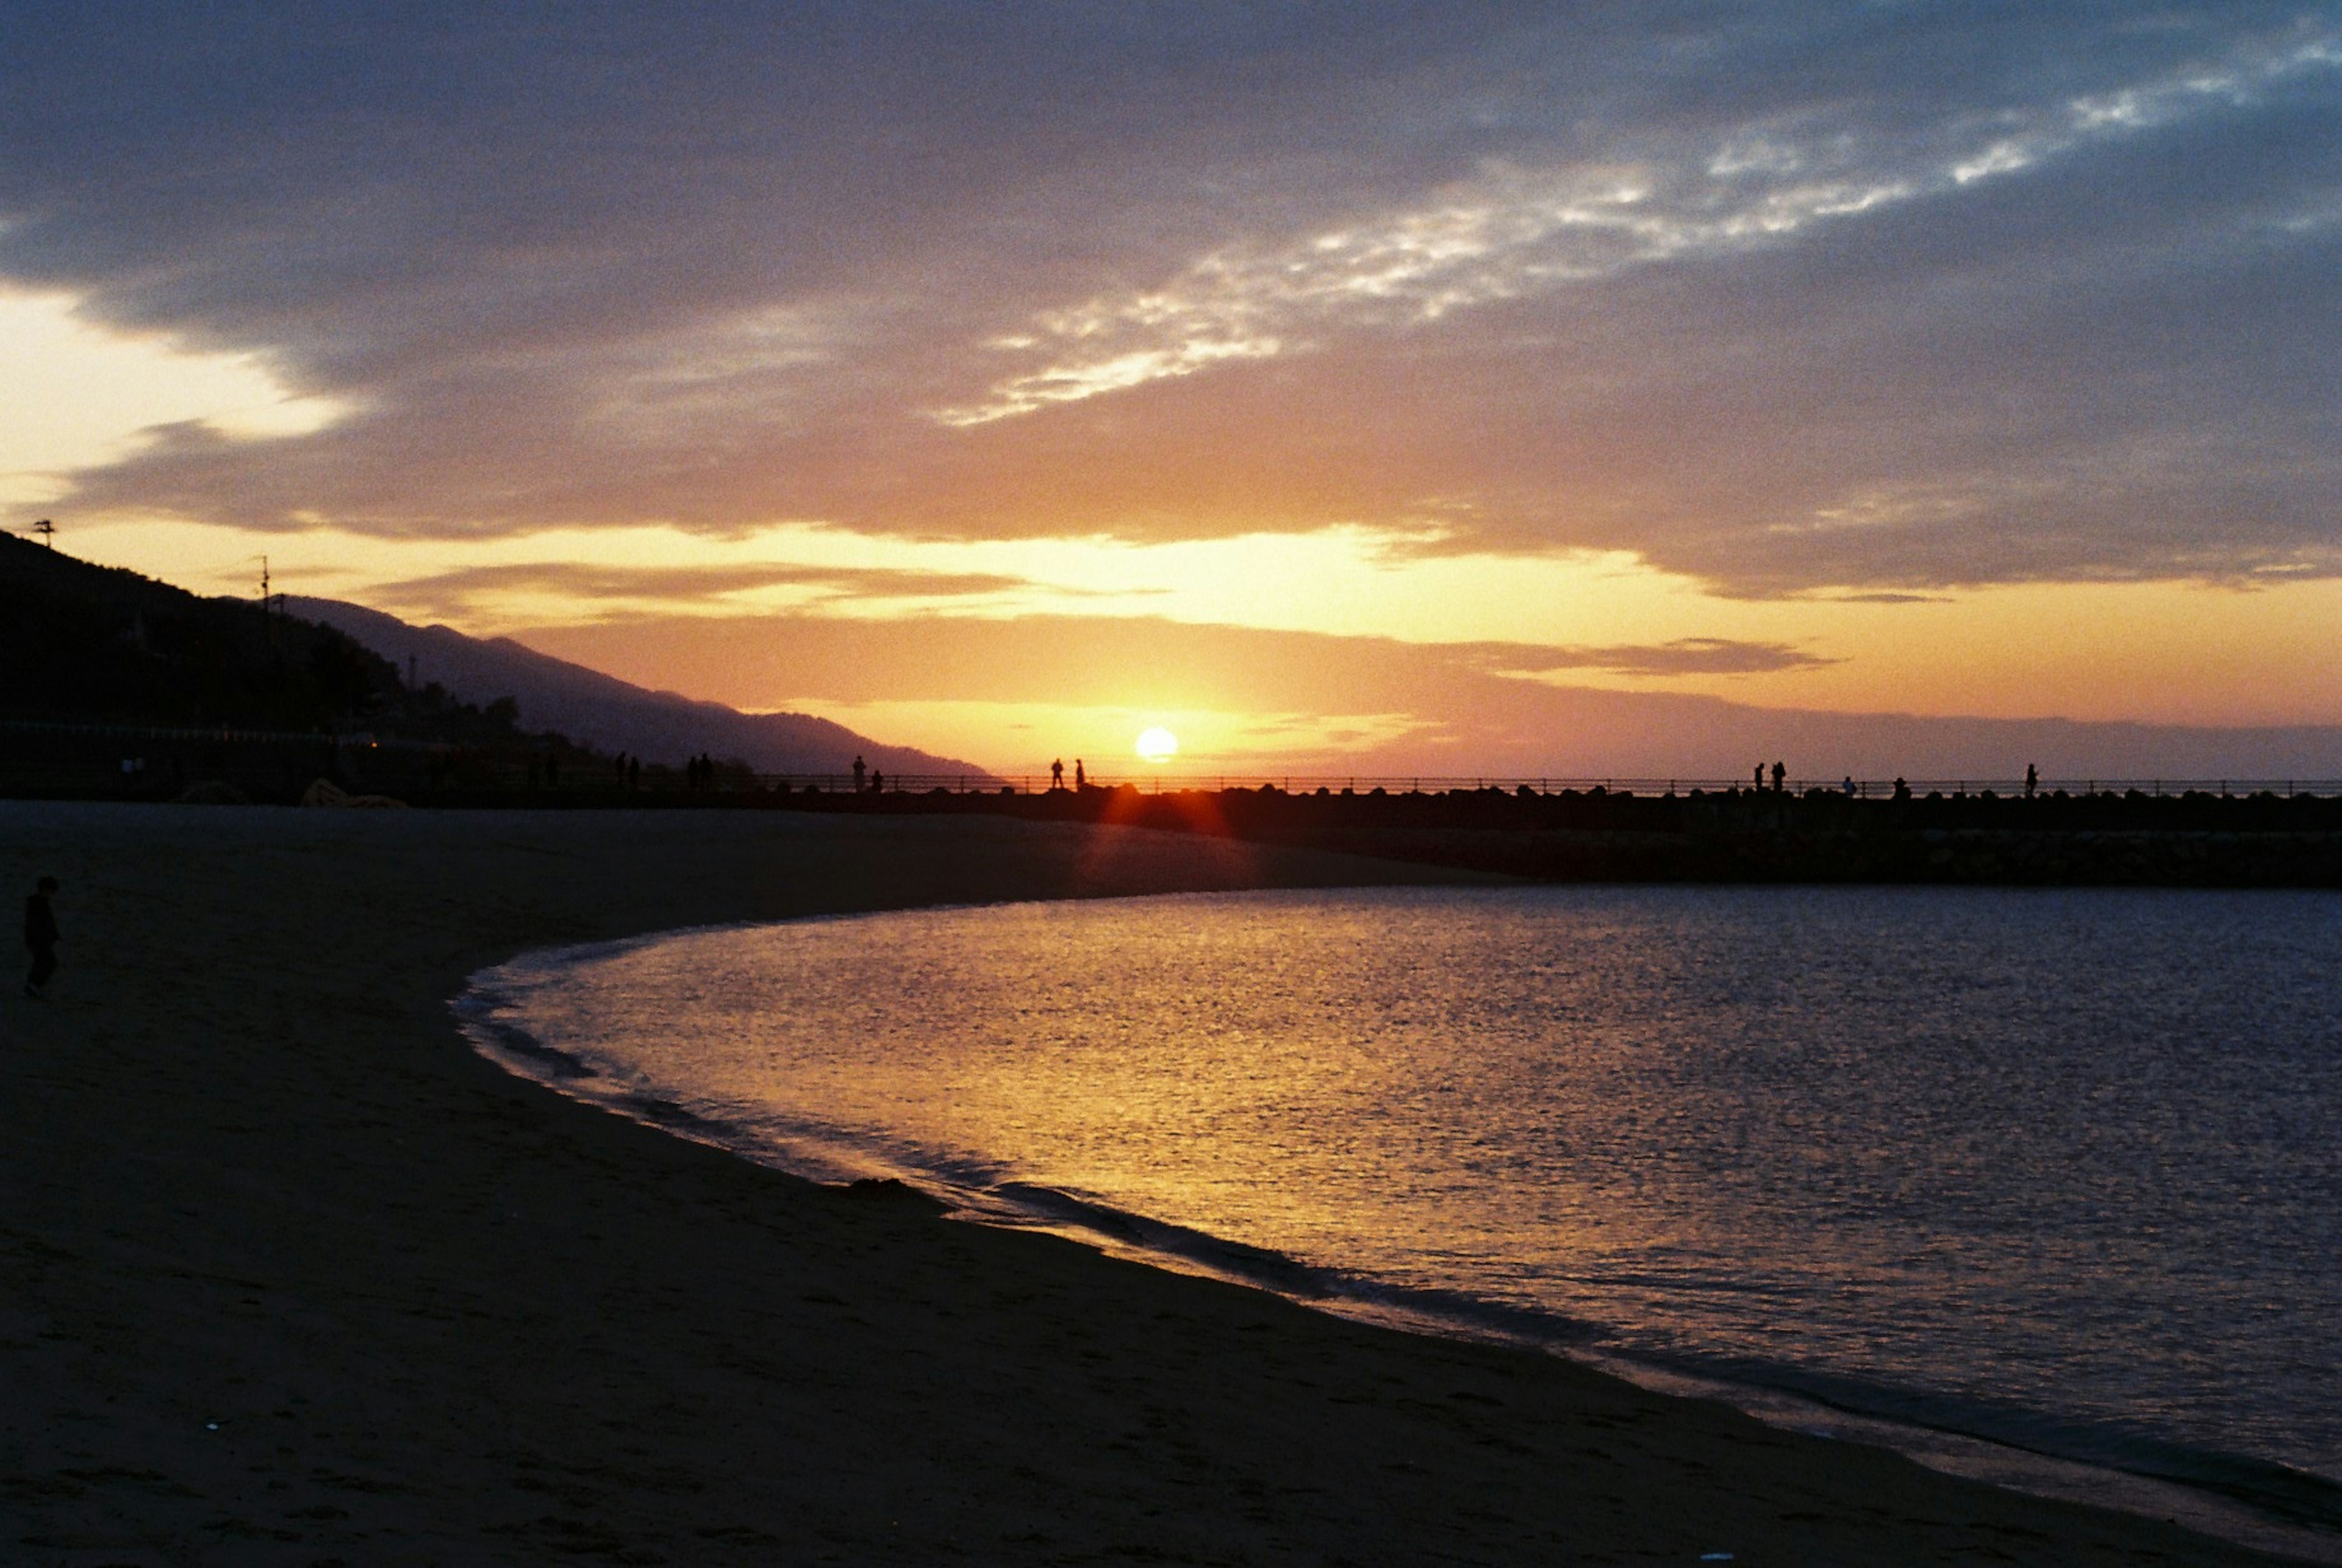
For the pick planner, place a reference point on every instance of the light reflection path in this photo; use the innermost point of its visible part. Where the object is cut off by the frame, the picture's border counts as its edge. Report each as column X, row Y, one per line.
column 2052, row 1167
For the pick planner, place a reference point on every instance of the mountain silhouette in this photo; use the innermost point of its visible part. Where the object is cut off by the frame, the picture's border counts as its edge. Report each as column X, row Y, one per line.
column 614, row 715
column 98, row 645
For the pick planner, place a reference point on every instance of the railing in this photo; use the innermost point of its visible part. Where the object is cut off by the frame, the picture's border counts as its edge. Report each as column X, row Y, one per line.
column 1426, row 783
column 579, row 773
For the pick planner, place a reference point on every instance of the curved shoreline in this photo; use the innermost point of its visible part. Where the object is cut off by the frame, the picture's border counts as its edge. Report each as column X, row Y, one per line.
column 1790, row 1397
column 291, row 1274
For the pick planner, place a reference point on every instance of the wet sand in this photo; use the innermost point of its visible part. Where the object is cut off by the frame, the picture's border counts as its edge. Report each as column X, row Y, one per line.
column 288, row 1276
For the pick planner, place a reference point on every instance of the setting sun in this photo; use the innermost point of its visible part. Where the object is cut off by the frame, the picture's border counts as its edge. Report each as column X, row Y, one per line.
column 1158, row 744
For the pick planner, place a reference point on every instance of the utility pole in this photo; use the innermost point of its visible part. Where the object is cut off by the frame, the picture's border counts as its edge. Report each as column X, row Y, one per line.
column 272, row 606
column 47, row 531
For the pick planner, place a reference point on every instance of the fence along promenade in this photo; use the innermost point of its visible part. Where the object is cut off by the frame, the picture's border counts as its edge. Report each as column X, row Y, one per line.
column 19, row 743
column 1425, row 783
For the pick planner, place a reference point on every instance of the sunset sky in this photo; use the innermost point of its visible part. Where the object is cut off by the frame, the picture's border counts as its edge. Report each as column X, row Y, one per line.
column 1437, row 388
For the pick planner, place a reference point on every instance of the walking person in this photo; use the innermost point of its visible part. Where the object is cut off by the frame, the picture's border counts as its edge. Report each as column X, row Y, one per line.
column 41, row 937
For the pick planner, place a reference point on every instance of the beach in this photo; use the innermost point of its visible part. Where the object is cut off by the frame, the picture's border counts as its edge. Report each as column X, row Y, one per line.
column 293, row 1276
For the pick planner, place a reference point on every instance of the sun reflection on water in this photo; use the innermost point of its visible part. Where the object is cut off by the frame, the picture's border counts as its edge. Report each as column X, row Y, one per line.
column 1878, row 1139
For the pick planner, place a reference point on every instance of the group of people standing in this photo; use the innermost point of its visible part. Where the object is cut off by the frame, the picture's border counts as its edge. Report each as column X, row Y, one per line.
column 1902, row 789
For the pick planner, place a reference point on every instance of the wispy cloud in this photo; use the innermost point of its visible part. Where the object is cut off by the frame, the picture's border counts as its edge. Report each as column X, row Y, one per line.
column 1681, row 656
column 668, row 589
column 1513, row 231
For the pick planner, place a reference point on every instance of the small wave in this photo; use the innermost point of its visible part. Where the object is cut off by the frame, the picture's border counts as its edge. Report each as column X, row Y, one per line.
column 482, row 1015
column 2278, row 1491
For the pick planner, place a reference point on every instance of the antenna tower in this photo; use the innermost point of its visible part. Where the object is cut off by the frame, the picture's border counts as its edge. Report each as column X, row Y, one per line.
column 272, row 606
column 47, row 531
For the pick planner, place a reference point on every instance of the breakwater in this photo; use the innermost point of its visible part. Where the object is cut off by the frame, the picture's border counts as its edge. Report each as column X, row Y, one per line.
column 2132, row 838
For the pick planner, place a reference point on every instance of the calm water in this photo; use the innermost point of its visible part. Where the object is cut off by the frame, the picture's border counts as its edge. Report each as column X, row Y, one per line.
column 2056, row 1168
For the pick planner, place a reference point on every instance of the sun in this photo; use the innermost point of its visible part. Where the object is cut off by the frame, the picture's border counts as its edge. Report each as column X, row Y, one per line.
column 1158, row 744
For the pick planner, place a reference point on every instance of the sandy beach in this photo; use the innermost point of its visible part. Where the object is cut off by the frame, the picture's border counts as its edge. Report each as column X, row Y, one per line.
column 292, row 1276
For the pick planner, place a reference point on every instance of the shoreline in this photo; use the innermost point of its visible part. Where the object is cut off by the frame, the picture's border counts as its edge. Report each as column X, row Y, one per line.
column 1789, row 1398
column 294, row 1275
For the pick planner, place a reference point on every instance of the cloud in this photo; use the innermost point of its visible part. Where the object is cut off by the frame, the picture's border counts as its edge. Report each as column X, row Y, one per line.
column 1682, row 656
column 1793, row 298
column 1116, row 661
column 669, row 588
column 1511, row 232
column 655, row 594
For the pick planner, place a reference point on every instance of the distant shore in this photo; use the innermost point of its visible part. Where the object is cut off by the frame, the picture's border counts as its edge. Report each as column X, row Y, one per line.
column 293, row 1276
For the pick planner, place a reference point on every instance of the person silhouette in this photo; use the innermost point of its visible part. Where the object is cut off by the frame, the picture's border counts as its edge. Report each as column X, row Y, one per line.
column 1760, row 777
column 41, row 937
column 879, row 782
column 1057, row 774
column 1081, row 779
column 1779, row 773
column 859, row 773
column 1902, row 790
column 2032, row 780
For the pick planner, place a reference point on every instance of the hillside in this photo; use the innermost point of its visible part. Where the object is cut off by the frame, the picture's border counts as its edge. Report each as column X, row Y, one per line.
column 613, row 715
column 97, row 645
column 87, row 644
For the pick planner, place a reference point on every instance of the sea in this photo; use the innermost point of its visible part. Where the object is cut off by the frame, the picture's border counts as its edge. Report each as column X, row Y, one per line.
column 2043, row 1186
